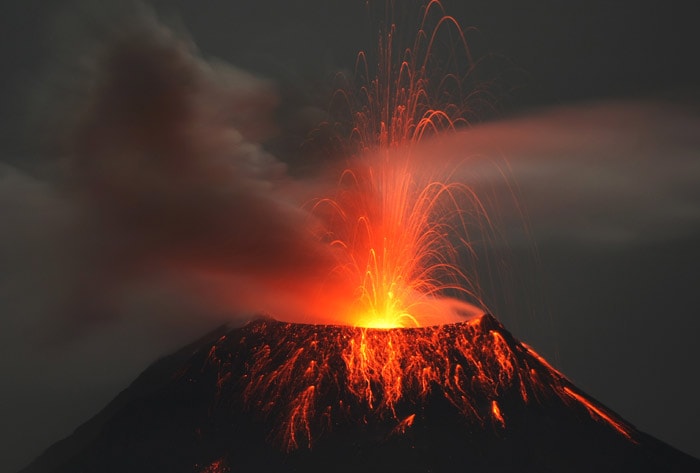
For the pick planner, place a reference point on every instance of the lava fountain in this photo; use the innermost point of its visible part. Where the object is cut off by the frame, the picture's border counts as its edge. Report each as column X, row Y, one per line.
column 397, row 230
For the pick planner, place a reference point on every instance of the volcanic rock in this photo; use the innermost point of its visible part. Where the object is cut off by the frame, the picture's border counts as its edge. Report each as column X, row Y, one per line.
column 274, row 396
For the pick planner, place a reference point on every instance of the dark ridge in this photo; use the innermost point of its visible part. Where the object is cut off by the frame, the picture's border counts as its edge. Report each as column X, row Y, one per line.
column 193, row 412
column 151, row 380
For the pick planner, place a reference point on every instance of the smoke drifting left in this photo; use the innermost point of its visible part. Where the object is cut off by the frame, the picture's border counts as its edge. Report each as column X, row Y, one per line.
column 170, row 183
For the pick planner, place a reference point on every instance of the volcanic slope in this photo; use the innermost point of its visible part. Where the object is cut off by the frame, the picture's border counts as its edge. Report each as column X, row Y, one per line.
column 274, row 396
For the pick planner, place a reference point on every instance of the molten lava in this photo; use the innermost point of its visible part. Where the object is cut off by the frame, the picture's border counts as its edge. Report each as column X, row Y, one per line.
column 309, row 379
column 275, row 396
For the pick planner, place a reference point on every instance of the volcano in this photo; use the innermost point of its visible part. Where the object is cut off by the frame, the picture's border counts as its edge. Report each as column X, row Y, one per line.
column 274, row 396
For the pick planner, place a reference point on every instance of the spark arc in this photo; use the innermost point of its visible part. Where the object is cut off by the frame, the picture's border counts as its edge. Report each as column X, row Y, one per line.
column 400, row 231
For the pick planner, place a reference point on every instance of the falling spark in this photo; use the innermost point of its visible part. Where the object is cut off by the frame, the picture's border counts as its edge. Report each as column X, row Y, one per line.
column 398, row 233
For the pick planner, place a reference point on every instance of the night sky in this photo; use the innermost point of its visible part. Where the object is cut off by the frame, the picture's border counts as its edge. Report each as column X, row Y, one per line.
column 593, row 111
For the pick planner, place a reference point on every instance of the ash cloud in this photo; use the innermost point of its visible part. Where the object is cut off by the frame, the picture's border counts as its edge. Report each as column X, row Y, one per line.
column 168, row 181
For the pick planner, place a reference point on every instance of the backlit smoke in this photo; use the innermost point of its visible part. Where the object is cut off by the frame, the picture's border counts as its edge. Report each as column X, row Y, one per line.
column 172, row 182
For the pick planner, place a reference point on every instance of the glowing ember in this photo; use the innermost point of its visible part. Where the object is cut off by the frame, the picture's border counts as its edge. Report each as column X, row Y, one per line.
column 216, row 466
column 497, row 413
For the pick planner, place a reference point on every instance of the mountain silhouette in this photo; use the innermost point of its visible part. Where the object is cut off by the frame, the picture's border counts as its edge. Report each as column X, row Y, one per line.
column 285, row 397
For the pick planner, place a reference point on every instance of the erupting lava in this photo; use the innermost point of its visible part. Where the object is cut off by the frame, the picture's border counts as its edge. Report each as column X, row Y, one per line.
column 399, row 234
column 395, row 240
column 414, row 376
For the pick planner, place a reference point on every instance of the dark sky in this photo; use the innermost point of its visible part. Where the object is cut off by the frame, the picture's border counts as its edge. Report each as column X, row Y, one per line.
column 595, row 112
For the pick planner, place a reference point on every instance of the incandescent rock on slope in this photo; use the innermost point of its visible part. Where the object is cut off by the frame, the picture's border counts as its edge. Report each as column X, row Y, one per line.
column 273, row 396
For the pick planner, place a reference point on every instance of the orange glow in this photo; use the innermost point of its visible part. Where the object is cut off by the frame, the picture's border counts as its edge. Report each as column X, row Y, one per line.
column 395, row 247
column 398, row 231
